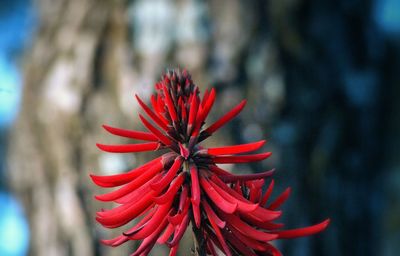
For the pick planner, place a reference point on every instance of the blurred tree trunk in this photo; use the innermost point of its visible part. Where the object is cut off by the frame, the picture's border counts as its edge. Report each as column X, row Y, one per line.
column 79, row 47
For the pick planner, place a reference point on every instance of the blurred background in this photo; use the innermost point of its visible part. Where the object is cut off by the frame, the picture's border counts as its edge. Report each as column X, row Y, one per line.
column 322, row 79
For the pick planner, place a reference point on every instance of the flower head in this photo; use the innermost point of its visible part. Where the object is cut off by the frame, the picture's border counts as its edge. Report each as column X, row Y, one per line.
column 185, row 184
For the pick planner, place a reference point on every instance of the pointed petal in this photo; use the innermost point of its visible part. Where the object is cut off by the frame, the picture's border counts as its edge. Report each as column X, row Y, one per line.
column 236, row 149
column 129, row 148
column 242, row 205
column 151, row 114
column 307, row 231
column 218, row 233
column 195, row 186
column 217, row 199
column 179, row 232
column 164, row 139
column 241, row 158
column 166, row 235
column 280, row 199
column 196, row 214
column 149, row 241
column 172, row 190
column 224, row 119
column 131, row 186
column 139, row 135
column 170, row 104
column 212, row 215
column 169, row 176
column 245, row 177
column 247, row 230
column 243, row 248
column 159, row 216
column 203, row 113
column 119, row 218
column 123, row 178
column 268, row 192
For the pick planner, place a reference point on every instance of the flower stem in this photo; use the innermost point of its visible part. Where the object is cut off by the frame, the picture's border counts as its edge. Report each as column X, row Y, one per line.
column 199, row 243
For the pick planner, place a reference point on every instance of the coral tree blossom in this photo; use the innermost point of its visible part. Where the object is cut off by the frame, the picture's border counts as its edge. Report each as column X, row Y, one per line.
column 230, row 213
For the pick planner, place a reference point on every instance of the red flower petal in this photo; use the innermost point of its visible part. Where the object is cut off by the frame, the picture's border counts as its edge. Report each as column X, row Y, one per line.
column 151, row 114
column 236, row 149
column 280, row 199
column 120, row 179
column 170, row 104
column 217, row 199
column 164, row 139
column 179, row 232
column 195, row 186
column 129, row 148
column 241, row 159
column 224, row 119
column 211, row 214
column 172, row 190
column 245, row 177
column 169, row 176
column 159, row 216
column 136, row 183
column 139, row 135
column 307, row 231
column 247, row 230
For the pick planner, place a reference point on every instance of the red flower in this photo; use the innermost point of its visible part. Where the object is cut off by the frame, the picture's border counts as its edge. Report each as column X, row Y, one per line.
column 185, row 185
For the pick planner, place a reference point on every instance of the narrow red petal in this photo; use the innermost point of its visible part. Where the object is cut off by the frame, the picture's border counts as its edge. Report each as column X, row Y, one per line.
column 236, row 149
column 149, row 241
column 192, row 114
column 247, row 230
column 196, row 213
column 151, row 114
column 169, row 176
column 123, row 178
column 250, row 242
column 172, row 190
column 138, row 193
column 205, row 97
column 153, row 223
column 268, row 193
column 139, row 135
column 238, row 244
column 120, row 218
column 280, row 199
column 242, row 206
column 180, row 232
column 166, row 235
column 307, row 231
column 131, row 186
column 217, row 199
column 129, row 148
column 170, row 104
column 241, row 158
column 164, row 139
column 115, row 241
column 195, row 186
column 221, row 239
column 226, row 118
column 211, row 214
column 203, row 112
column 268, row 225
column 140, row 224
column 245, row 177
column 259, row 213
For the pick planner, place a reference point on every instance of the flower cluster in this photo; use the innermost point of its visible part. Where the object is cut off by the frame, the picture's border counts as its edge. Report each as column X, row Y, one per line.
column 228, row 212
